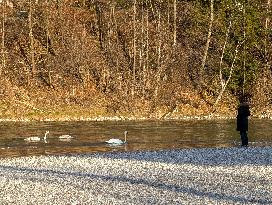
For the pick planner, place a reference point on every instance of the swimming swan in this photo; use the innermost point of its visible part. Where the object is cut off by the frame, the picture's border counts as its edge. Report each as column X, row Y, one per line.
column 118, row 141
column 65, row 137
column 36, row 139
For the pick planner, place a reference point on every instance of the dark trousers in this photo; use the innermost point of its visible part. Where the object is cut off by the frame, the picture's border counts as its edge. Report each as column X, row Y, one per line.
column 244, row 138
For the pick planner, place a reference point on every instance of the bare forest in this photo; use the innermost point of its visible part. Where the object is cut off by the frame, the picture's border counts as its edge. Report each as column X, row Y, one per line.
column 79, row 59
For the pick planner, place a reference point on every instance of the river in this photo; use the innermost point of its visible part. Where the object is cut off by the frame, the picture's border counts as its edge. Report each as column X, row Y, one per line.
column 142, row 135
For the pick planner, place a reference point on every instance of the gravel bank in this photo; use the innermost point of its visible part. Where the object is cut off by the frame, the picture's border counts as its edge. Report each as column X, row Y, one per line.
column 187, row 176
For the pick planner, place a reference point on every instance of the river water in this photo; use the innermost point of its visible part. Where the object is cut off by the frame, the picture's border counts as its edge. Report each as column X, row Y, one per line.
column 142, row 135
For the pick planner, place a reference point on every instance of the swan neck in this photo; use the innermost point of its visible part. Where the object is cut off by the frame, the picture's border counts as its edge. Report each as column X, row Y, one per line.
column 45, row 135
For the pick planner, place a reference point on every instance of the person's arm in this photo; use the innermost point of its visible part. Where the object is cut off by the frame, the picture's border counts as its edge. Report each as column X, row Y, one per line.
column 248, row 112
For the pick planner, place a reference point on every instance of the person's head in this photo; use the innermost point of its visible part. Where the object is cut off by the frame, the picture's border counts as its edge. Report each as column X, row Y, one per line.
column 244, row 99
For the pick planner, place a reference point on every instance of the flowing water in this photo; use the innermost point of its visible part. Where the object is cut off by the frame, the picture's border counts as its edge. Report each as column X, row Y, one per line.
column 142, row 135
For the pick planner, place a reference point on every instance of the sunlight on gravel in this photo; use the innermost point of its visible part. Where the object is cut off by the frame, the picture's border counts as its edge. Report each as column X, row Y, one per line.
column 187, row 176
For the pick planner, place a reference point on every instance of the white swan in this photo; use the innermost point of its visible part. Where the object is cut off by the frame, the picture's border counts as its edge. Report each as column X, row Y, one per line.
column 118, row 141
column 65, row 137
column 36, row 139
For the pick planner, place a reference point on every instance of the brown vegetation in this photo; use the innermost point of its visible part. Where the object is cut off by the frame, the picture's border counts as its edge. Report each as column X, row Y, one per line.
column 85, row 58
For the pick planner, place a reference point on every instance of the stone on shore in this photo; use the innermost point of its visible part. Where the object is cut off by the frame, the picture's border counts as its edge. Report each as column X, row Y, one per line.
column 186, row 176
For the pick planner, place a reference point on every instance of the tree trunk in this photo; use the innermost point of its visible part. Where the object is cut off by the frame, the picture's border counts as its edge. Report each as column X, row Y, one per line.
column 244, row 48
column 222, row 81
column 141, row 54
column 175, row 23
column 146, row 67
column 134, row 49
column 31, row 38
column 84, row 32
column 207, row 43
column 3, row 64
column 158, row 75
column 47, row 41
column 168, row 13
column 60, row 18
column 225, row 85
column 267, row 21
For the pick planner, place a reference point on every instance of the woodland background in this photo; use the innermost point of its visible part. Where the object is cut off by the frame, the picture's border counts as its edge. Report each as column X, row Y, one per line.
column 78, row 59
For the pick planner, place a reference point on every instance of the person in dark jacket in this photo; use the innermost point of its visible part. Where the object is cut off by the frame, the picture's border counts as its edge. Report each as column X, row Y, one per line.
column 242, row 122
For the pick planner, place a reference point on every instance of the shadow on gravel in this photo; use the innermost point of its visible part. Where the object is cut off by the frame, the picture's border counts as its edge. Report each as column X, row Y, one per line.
column 51, row 175
column 199, row 156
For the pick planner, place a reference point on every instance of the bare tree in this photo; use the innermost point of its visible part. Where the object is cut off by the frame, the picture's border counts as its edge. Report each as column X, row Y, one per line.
column 84, row 32
column 158, row 75
column 141, row 52
column 244, row 48
column 267, row 21
column 59, row 4
column 134, row 48
column 31, row 38
column 175, row 22
column 47, row 39
column 228, row 79
column 222, row 81
column 3, row 65
column 208, row 39
column 168, row 13
column 146, row 66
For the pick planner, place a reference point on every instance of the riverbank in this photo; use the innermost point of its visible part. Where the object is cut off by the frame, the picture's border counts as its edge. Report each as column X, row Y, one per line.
column 124, row 118
column 117, row 118
column 31, row 112
column 48, row 105
column 186, row 176
column 81, row 113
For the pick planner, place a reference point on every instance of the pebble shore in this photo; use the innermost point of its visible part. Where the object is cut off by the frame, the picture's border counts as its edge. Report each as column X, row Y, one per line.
column 184, row 176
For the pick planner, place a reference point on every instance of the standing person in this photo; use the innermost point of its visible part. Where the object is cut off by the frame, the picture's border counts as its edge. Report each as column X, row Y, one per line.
column 242, row 121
